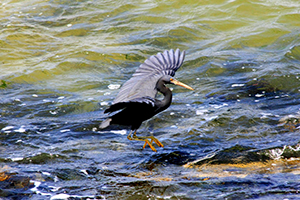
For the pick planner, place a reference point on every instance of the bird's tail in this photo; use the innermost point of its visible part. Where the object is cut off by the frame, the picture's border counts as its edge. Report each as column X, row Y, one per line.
column 105, row 123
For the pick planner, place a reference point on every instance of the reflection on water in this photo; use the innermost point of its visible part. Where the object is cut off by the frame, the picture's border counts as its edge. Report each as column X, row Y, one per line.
column 236, row 136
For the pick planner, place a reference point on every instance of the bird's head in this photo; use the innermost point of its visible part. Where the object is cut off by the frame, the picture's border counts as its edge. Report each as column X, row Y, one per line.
column 167, row 79
column 176, row 82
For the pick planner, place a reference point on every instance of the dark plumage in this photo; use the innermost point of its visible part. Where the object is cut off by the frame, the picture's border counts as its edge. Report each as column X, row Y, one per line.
column 136, row 99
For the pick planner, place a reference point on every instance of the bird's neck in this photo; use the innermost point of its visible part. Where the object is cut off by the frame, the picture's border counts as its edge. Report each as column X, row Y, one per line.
column 167, row 100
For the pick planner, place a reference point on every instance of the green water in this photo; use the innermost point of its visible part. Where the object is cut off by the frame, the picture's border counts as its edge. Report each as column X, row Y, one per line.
column 235, row 137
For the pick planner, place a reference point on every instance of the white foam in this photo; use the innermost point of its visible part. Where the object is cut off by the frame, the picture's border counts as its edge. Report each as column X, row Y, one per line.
column 46, row 173
column 84, row 171
column 17, row 159
column 60, row 196
column 211, row 118
column 35, row 189
column 104, row 103
column 201, row 111
column 21, row 129
column 122, row 132
column 53, row 112
column 36, row 185
column 54, row 189
column 259, row 95
column 66, row 196
column 113, row 86
column 237, row 85
column 265, row 115
column 219, row 106
column 7, row 128
column 65, row 130
column 56, row 179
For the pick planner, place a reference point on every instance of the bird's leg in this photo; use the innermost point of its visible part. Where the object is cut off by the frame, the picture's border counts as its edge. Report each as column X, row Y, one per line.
column 135, row 137
column 153, row 139
column 129, row 136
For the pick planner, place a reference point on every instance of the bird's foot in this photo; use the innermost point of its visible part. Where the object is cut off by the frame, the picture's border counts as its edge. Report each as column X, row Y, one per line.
column 150, row 145
column 153, row 139
column 145, row 139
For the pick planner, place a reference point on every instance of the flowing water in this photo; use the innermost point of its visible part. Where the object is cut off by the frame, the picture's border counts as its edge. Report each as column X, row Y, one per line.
column 236, row 136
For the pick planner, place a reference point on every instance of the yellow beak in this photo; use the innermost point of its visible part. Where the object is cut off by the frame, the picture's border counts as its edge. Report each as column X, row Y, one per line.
column 180, row 84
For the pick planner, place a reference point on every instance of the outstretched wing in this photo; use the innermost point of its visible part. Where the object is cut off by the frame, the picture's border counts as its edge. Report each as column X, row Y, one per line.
column 121, row 105
column 143, row 81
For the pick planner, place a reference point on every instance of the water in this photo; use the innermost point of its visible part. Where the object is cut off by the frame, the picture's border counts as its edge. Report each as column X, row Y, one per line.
column 235, row 137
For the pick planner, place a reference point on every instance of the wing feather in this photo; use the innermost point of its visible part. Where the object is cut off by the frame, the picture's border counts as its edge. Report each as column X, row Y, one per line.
column 121, row 105
column 143, row 81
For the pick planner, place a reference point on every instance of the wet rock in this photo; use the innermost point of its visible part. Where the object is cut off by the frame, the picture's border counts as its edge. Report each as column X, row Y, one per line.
column 233, row 155
column 175, row 157
column 290, row 122
column 14, row 186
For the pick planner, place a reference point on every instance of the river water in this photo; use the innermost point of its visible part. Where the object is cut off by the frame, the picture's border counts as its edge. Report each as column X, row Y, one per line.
column 236, row 136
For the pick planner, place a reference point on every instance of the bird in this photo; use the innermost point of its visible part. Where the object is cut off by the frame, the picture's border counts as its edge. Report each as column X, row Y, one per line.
column 136, row 100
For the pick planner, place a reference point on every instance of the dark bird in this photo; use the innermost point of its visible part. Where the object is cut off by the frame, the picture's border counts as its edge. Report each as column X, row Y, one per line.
column 136, row 101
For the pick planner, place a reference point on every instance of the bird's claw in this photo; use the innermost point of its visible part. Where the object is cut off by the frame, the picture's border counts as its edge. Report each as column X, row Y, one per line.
column 157, row 142
column 153, row 139
column 150, row 145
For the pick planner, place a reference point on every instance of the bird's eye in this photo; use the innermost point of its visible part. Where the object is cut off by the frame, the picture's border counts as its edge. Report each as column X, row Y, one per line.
column 171, row 79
